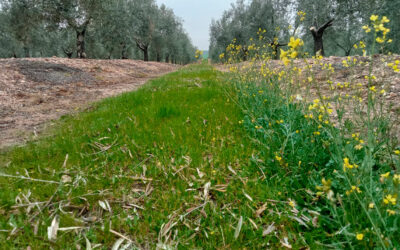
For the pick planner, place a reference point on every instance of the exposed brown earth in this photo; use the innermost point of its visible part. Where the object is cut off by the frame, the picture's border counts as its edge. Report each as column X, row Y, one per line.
column 36, row 91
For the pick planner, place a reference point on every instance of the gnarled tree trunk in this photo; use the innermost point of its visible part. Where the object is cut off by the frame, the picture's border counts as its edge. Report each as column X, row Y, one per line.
column 146, row 54
column 124, row 51
column 317, row 35
column 26, row 50
column 68, row 53
column 145, row 48
column 80, row 43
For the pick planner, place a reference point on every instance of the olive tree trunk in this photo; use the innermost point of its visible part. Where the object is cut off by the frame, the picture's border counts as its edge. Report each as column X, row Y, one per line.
column 317, row 35
column 80, row 43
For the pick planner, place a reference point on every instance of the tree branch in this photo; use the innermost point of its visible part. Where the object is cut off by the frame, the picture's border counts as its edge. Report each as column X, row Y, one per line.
column 326, row 25
column 340, row 46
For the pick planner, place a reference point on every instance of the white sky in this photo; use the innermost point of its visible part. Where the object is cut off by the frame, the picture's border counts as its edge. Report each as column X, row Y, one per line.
column 197, row 16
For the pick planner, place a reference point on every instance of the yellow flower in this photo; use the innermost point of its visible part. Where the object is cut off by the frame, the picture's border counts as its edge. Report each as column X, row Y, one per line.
column 374, row 18
column 396, row 178
column 389, row 199
column 380, row 40
column 385, row 31
column 278, row 158
column 284, row 58
column 360, row 236
column 358, row 147
column 347, row 165
column 397, row 152
column 385, row 19
column 371, row 205
column 283, row 53
column 354, row 188
column 391, row 212
column 294, row 43
column 386, row 175
column 294, row 54
column 366, row 28
column 373, row 89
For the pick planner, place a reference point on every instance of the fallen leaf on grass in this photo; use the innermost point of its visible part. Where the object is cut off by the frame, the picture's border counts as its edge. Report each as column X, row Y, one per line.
column 105, row 205
column 118, row 243
column 231, row 169
column 66, row 179
column 88, row 245
column 247, row 196
column 201, row 174
column 269, row 229
column 261, row 210
column 315, row 221
column 65, row 161
column 69, row 228
column 52, row 230
column 238, row 227
column 206, row 189
column 253, row 223
column 285, row 243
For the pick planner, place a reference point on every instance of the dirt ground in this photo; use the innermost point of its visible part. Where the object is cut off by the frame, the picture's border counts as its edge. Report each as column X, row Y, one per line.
column 34, row 92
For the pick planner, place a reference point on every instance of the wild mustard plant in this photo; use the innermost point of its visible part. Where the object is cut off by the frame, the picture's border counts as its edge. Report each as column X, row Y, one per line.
column 329, row 144
column 198, row 54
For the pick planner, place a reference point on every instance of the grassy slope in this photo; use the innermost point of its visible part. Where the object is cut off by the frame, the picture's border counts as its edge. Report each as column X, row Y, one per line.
column 181, row 132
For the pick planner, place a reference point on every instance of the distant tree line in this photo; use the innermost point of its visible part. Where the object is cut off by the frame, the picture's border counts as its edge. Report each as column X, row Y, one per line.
column 113, row 29
column 338, row 23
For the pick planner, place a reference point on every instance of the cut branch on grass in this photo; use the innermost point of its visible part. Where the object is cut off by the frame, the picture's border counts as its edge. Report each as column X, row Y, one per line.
column 28, row 178
column 120, row 235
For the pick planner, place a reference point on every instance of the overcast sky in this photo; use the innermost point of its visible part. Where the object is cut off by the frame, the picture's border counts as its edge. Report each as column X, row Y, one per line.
column 197, row 16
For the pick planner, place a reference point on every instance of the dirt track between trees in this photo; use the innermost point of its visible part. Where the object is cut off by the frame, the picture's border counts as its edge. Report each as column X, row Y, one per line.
column 34, row 92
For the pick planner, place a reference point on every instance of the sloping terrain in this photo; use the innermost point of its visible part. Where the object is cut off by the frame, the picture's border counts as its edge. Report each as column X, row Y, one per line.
column 352, row 75
column 34, row 91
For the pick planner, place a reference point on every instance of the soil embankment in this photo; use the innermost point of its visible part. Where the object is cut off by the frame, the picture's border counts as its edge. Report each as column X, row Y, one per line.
column 35, row 91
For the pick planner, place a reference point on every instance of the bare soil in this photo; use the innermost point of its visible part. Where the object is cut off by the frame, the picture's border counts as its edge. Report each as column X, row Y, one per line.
column 35, row 91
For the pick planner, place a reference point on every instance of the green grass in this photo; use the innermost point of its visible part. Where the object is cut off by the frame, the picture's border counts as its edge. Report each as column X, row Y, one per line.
column 196, row 159
column 170, row 159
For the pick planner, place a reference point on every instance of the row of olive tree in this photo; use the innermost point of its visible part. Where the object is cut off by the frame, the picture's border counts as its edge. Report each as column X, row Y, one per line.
column 332, row 27
column 91, row 28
